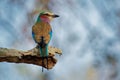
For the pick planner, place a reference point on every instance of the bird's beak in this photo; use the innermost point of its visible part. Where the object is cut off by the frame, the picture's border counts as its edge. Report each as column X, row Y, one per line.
column 55, row 16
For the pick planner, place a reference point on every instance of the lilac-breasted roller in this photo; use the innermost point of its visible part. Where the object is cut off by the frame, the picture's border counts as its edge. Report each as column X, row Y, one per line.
column 42, row 33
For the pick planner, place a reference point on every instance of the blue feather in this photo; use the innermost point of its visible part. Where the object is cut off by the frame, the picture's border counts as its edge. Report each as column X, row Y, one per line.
column 33, row 35
column 50, row 33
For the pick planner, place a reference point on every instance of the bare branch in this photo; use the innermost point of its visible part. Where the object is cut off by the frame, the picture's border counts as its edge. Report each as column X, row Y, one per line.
column 30, row 57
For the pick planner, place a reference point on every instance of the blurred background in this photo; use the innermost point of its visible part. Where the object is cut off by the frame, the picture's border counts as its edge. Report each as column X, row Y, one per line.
column 87, row 31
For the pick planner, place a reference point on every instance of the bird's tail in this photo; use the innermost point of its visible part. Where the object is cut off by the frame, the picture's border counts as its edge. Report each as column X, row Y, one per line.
column 44, row 54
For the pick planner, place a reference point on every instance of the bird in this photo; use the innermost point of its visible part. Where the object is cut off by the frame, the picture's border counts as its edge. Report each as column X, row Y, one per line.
column 42, row 33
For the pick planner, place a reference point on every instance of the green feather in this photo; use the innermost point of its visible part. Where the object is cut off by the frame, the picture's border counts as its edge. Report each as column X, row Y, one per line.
column 43, row 51
column 38, row 19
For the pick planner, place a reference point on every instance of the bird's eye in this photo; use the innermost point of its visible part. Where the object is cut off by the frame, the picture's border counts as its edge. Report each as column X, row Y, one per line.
column 46, row 14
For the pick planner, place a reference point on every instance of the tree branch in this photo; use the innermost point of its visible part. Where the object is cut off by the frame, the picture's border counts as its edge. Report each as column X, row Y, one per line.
column 30, row 57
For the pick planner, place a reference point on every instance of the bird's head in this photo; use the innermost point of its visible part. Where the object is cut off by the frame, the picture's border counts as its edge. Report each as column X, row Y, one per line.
column 47, row 16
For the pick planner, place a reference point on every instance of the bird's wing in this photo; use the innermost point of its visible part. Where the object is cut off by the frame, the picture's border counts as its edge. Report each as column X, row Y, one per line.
column 42, row 29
